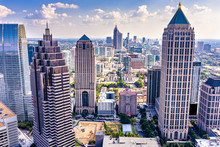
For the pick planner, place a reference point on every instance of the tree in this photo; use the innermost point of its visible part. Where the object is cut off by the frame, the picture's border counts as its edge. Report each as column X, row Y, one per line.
column 133, row 120
column 92, row 142
column 139, row 83
column 124, row 119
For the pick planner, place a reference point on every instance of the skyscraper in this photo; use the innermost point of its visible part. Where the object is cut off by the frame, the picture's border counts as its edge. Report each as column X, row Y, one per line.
column 153, row 85
column 208, row 114
column 109, row 41
column 15, row 69
column 195, row 88
column 117, row 39
column 176, row 75
column 200, row 45
column 127, row 64
column 51, row 95
column 85, row 84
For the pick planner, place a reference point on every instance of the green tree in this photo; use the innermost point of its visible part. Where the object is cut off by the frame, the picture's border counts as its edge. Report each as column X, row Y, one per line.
column 133, row 120
column 139, row 83
column 124, row 119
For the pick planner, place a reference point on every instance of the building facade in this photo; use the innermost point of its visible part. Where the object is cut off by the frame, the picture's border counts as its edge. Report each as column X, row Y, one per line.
column 67, row 56
column 15, row 68
column 208, row 114
column 127, row 64
column 51, row 95
column 153, row 85
column 195, row 88
column 106, row 107
column 117, row 39
column 176, row 77
column 8, row 127
column 127, row 102
column 85, row 74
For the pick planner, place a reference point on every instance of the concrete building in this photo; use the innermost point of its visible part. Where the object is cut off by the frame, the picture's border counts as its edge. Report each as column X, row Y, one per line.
column 72, row 61
column 176, row 77
column 151, row 60
column 2, row 88
column 195, row 89
column 106, row 107
column 127, row 102
column 127, row 64
column 99, row 69
column 212, row 142
column 137, row 63
column 209, row 102
column 51, row 95
column 67, row 57
column 126, row 128
column 31, row 50
column 130, row 142
column 14, row 66
column 85, row 84
column 8, row 127
column 207, row 47
column 99, row 137
column 110, row 95
column 102, row 51
column 109, row 42
column 200, row 45
column 117, row 39
column 153, row 85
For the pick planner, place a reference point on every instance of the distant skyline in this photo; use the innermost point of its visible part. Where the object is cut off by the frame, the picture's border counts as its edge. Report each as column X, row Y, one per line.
column 97, row 18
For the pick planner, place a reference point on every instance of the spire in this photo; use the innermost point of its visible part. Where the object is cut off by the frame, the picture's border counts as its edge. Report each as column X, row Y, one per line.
column 179, row 5
column 47, row 30
column 47, row 35
column 84, row 37
column 179, row 17
column 47, row 25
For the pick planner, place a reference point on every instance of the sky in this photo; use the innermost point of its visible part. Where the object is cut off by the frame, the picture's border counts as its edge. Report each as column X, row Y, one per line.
column 97, row 18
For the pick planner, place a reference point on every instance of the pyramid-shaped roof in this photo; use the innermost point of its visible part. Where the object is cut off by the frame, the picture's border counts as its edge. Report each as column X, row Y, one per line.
column 179, row 17
column 84, row 37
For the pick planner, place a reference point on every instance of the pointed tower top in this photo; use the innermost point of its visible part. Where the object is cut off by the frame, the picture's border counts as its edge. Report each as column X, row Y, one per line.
column 84, row 37
column 46, row 25
column 179, row 5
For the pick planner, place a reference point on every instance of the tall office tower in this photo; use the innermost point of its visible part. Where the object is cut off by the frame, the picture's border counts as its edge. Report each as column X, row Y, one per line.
column 195, row 88
column 8, row 127
column 117, row 39
column 2, row 88
column 72, row 61
column 176, row 75
column 15, row 68
column 208, row 114
column 51, row 95
column 127, row 64
column 85, row 84
column 200, row 45
column 128, row 38
column 135, row 39
column 109, row 41
column 143, row 40
column 67, row 57
column 153, row 85
column 31, row 48
column 151, row 60
column 207, row 47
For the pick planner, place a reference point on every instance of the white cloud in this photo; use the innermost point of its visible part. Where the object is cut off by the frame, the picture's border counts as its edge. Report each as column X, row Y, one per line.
column 94, row 19
column 4, row 11
column 112, row 15
column 49, row 11
column 24, row 11
column 199, row 9
column 169, row 9
column 98, row 11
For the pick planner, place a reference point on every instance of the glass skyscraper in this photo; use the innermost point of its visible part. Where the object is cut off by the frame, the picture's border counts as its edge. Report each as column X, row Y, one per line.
column 15, row 69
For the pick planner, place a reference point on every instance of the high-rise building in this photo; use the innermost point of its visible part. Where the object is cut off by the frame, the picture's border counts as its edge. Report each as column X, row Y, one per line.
column 127, row 64
column 127, row 102
column 208, row 114
column 8, row 127
column 135, row 39
column 153, row 85
column 106, row 107
column 200, row 45
column 195, row 88
column 51, row 95
column 15, row 68
column 176, row 76
column 85, row 84
column 143, row 40
column 117, row 39
column 151, row 60
column 2, row 88
column 31, row 48
column 100, row 69
column 72, row 63
column 67, row 57
column 109, row 41
column 207, row 47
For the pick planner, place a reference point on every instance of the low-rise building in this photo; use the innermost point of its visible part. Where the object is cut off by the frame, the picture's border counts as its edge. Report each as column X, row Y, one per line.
column 106, row 107
column 212, row 142
column 130, row 142
column 8, row 127
column 126, row 128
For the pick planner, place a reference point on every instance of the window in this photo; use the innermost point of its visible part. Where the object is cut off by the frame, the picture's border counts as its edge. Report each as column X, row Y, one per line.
column 85, row 99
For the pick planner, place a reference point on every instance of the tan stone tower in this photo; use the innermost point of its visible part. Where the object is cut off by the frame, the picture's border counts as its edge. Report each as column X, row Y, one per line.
column 176, row 76
column 85, row 76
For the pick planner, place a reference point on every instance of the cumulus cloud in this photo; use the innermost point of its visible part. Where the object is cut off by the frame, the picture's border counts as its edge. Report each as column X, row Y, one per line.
column 112, row 15
column 169, row 9
column 98, row 11
column 199, row 9
column 24, row 11
column 142, row 12
column 93, row 19
column 4, row 11
column 49, row 11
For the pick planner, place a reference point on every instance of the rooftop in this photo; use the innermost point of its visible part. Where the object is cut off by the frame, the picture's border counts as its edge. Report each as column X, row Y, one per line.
column 213, row 81
column 127, row 92
column 179, row 17
column 126, row 128
column 84, row 37
column 5, row 112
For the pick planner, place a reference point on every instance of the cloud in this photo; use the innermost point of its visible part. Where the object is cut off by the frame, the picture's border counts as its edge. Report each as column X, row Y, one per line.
column 4, row 11
column 170, row 10
column 98, row 11
column 200, row 9
column 142, row 12
column 93, row 19
column 112, row 15
column 49, row 11
column 24, row 11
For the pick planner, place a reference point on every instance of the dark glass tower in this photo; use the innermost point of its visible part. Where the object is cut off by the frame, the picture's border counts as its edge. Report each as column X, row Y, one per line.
column 51, row 95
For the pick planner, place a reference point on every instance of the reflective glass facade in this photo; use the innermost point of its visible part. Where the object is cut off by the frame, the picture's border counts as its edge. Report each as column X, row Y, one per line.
column 15, row 69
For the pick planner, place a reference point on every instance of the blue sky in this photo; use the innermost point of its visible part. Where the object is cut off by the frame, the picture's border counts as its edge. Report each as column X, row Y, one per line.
column 96, row 18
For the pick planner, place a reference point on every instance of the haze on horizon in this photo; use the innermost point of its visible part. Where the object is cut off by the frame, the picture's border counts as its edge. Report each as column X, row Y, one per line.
column 97, row 18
